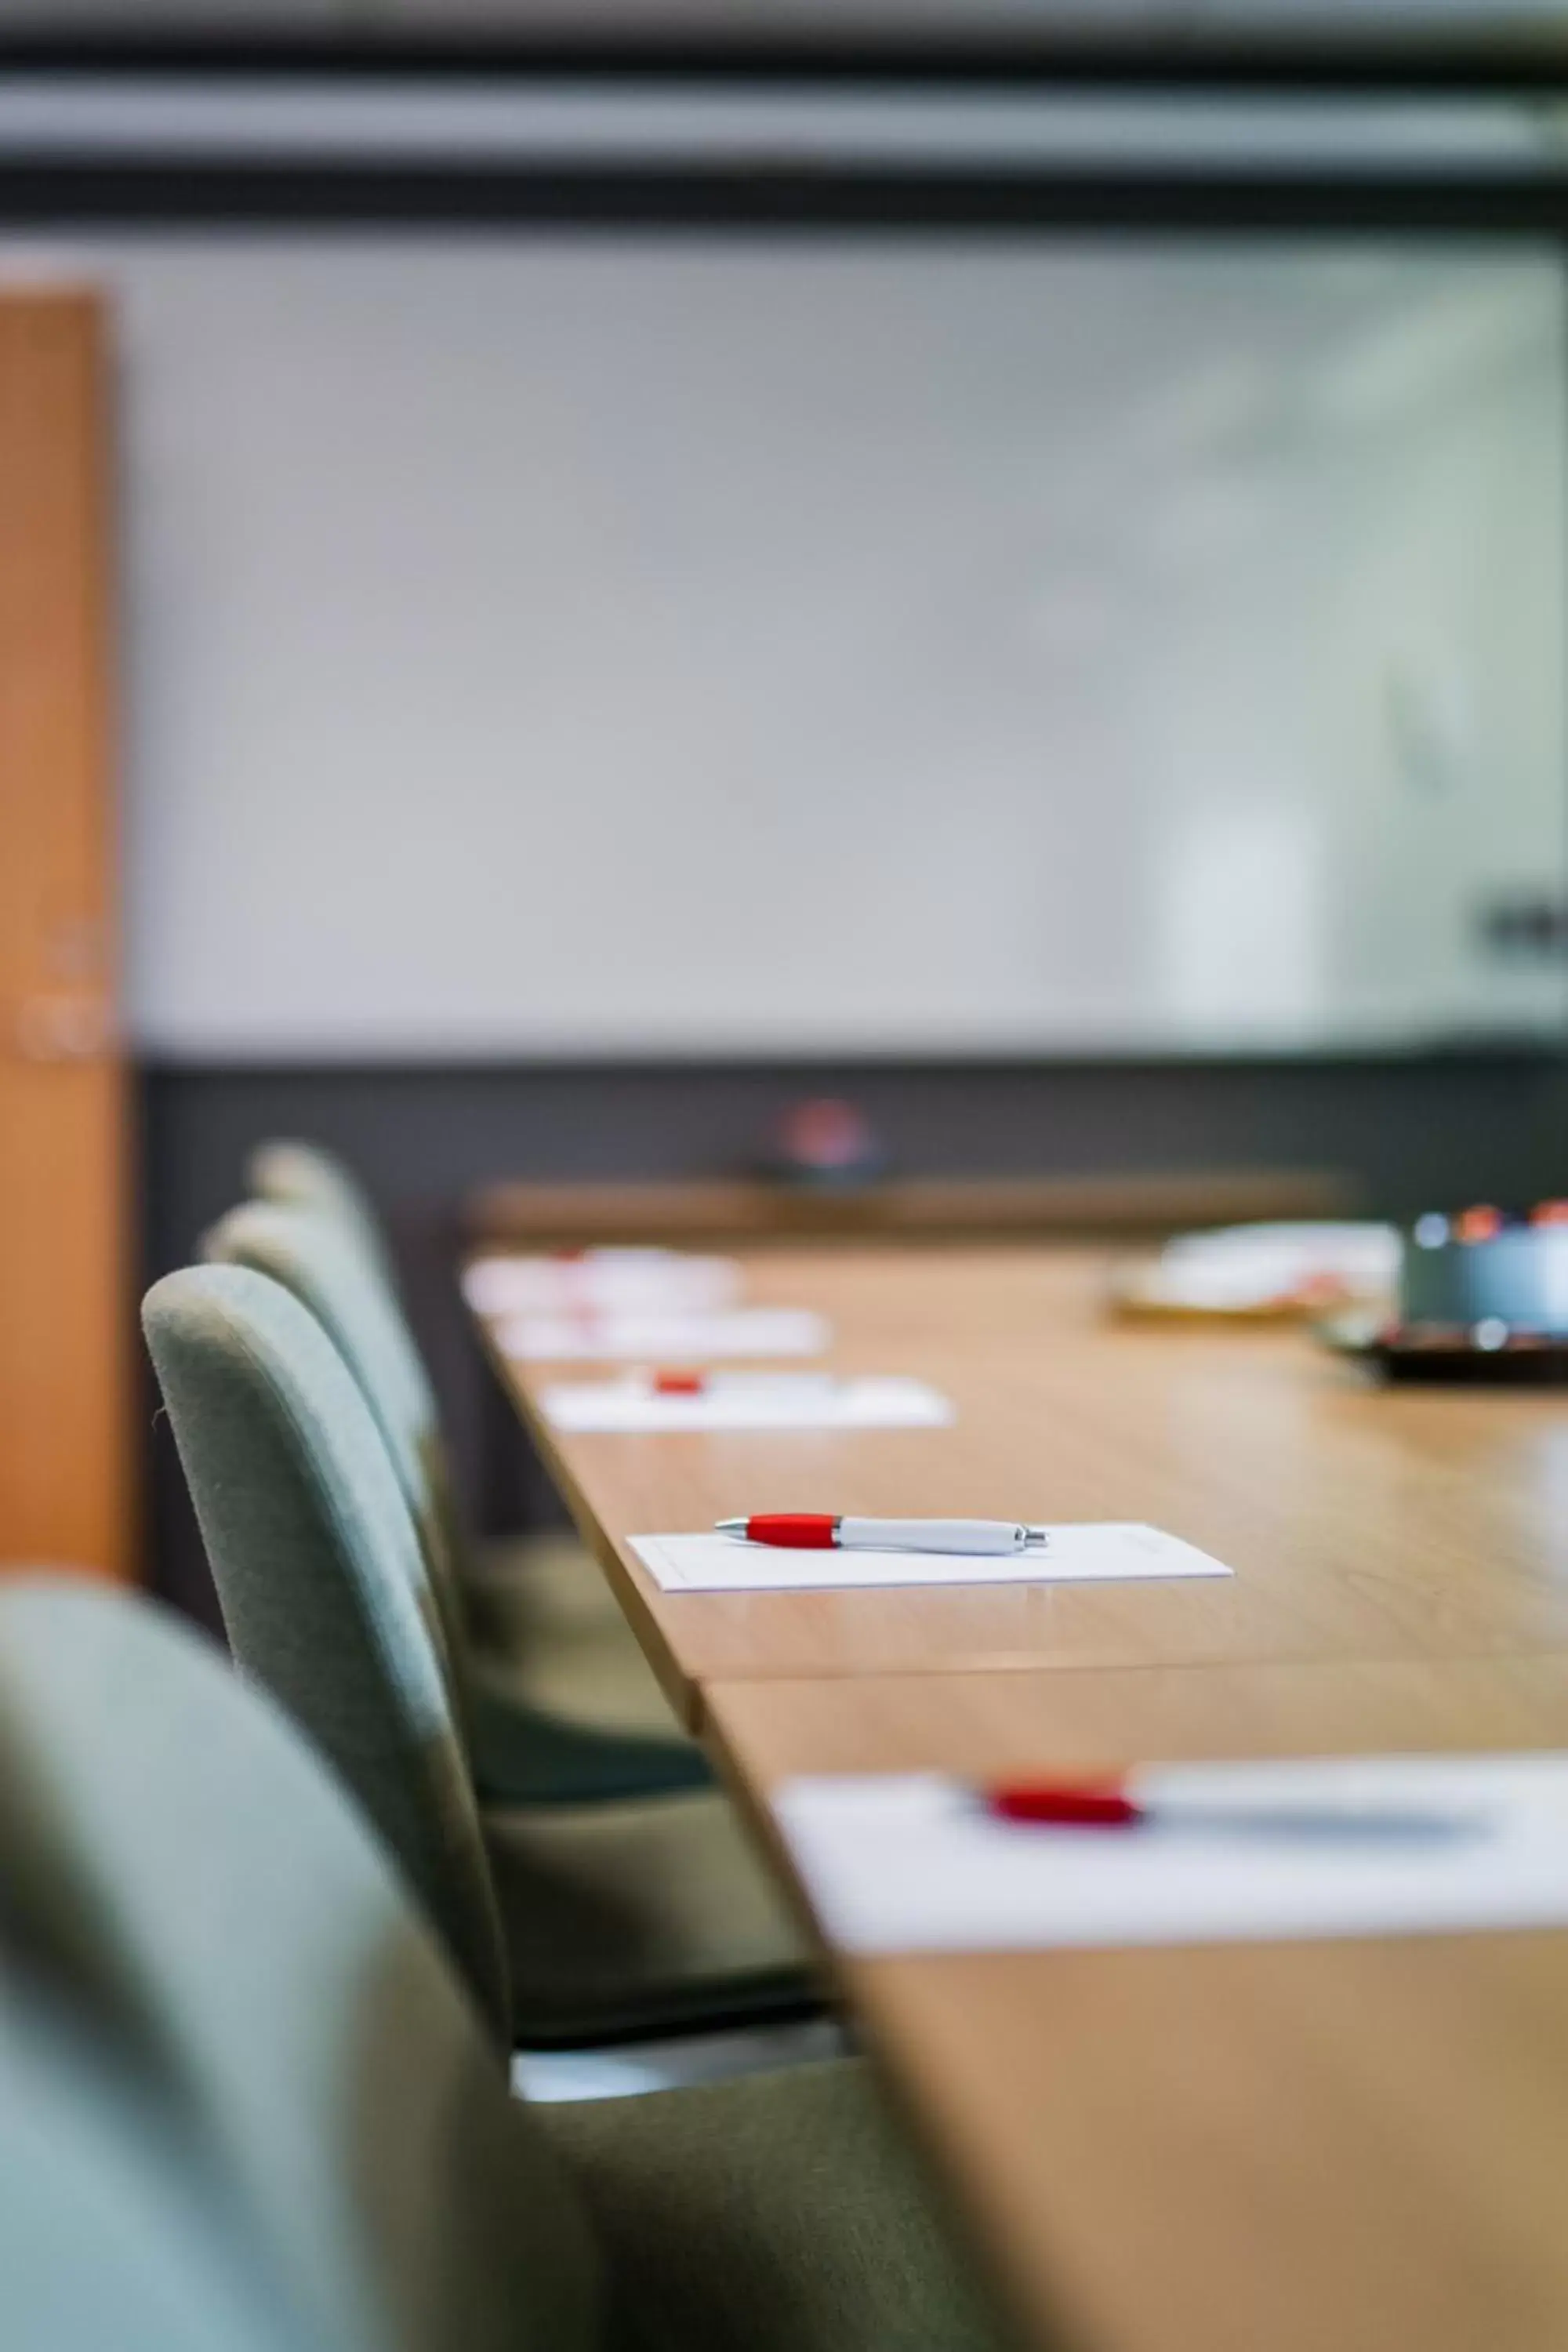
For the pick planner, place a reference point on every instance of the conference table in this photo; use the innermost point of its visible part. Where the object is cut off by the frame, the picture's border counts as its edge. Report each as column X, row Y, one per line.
column 1347, row 2143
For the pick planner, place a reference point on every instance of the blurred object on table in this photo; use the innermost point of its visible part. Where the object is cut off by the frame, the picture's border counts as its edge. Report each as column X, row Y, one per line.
column 823, row 1144
column 1483, row 1296
column 1262, row 1273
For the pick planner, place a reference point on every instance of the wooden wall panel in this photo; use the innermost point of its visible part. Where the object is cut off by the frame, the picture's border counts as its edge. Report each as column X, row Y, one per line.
column 65, row 1333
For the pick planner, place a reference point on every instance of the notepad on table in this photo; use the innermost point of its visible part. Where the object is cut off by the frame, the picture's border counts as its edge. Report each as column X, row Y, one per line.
column 602, row 1281
column 911, row 1863
column 1072, row 1555
column 664, row 1338
column 749, row 1400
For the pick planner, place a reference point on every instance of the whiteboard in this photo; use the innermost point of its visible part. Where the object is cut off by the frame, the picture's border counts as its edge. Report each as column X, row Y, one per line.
column 557, row 643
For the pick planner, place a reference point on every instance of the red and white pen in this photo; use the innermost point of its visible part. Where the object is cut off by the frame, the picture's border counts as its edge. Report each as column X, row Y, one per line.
column 681, row 1380
column 821, row 1531
column 1113, row 1805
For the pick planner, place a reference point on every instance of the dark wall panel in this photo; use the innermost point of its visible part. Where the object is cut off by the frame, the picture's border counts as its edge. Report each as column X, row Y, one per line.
column 1412, row 1131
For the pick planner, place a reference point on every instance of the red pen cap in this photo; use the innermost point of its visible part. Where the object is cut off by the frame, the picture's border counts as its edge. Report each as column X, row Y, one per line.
column 1069, row 1804
column 678, row 1383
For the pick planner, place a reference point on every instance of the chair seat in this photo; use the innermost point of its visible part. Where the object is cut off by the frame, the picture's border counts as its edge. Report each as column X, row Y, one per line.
column 607, row 1685
column 548, row 1627
column 522, row 1754
column 560, row 1585
column 564, row 1708
column 628, row 1920
column 778, row 2213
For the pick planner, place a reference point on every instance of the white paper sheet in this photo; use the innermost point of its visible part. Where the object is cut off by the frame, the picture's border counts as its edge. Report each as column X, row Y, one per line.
column 715, row 1563
column 602, row 1281
column 750, row 1401
column 664, row 1338
column 912, row 1863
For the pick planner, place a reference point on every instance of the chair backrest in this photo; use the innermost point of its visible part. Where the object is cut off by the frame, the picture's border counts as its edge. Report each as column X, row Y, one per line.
column 322, row 1580
column 189, row 1879
column 307, row 1176
column 311, row 1254
column 109, row 2234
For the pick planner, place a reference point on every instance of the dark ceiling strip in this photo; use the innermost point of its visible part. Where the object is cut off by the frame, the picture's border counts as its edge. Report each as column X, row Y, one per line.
column 73, row 192
column 1519, row 60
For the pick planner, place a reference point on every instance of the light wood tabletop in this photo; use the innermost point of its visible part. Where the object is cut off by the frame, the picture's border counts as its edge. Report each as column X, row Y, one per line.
column 1360, row 1522
column 1356, row 2144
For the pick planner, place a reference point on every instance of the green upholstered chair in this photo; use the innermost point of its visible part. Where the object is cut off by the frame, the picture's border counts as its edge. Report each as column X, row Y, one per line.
column 196, row 1883
column 305, row 1176
column 109, row 2234
column 547, row 1628
column 520, row 1750
column 573, row 1923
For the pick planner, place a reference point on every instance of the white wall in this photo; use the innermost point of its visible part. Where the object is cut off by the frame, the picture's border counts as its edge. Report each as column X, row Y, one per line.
column 575, row 644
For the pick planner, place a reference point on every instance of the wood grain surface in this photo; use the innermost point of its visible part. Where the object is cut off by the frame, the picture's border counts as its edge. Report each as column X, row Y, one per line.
column 1359, row 1521
column 1353, row 2144
column 1340, row 2145
column 68, row 1357
column 735, row 1211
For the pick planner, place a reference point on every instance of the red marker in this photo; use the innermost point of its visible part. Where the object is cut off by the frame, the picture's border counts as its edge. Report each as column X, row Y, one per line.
column 821, row 1531
column 677, row 1383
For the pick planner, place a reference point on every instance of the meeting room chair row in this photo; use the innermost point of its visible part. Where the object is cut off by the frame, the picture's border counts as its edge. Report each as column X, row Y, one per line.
column 274, row 1934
